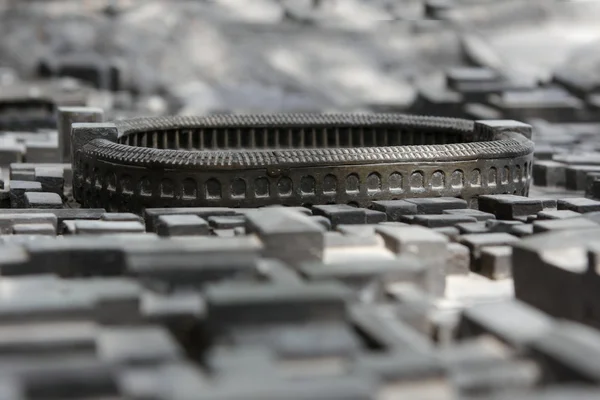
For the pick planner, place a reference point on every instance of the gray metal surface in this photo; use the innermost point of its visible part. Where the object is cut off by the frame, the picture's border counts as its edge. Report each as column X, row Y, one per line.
column 299, row 232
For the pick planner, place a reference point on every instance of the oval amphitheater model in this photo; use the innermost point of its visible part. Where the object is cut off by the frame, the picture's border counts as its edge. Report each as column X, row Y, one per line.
column 295, row 159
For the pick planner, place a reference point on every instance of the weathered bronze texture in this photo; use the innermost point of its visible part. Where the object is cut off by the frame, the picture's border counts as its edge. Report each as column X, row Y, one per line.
column 295, row 159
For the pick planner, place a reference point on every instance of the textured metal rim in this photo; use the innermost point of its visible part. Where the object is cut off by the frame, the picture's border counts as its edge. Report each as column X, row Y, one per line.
column 480, row 147
column 510, row 144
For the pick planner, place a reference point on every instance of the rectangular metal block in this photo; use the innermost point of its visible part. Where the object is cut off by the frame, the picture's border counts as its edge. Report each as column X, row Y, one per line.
column 287, row 235
column 231, row 306
column 151, row 214
column 181, row 225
